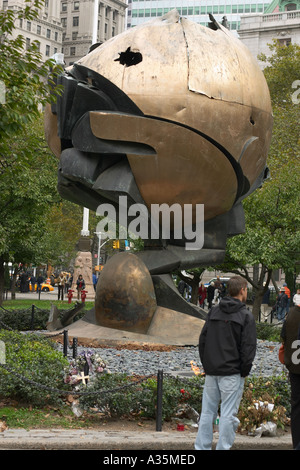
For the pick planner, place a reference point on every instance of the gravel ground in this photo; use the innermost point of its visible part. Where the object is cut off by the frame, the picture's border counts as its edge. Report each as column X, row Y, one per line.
column 143, row 362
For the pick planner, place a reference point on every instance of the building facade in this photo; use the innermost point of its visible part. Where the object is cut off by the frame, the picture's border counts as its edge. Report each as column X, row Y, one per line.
column 67, row 25
column 140, row 11
column 46, row 29
column 77, row 21
column 281, row 22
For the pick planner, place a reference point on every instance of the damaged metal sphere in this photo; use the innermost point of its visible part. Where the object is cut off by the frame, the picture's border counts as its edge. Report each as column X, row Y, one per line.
column 200, row 116
column 169, row 112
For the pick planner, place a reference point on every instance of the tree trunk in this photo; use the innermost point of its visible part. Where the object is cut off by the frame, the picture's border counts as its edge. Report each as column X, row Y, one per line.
column 13, row 283
column 257, row 302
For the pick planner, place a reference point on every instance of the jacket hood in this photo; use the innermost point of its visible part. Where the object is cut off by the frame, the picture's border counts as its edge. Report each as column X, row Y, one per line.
column 231, row 305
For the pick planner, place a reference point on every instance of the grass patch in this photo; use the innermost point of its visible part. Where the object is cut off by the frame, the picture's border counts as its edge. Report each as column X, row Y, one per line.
column 23, row 304
column 28, row 417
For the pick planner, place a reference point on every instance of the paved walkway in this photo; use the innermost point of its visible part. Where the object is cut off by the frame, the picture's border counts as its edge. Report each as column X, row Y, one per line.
column 58, row 439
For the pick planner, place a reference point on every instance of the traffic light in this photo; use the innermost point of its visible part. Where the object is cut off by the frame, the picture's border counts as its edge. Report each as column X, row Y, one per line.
column 116, row 244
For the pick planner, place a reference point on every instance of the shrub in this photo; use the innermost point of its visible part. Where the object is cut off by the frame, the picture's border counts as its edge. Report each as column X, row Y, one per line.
column 129, row 396
column 260, row 392
column 36, row 359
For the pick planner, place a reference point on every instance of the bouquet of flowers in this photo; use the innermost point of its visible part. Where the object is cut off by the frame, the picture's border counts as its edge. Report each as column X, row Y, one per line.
column 86, row 360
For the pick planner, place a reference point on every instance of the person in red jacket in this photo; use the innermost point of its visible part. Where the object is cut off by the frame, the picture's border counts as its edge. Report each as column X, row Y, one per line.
column 202, row 295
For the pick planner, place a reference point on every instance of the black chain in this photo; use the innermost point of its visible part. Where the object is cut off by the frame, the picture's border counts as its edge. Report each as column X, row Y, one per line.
column 72, row 392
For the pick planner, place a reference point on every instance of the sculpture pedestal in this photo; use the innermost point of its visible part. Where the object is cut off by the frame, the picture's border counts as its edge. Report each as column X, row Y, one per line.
column 128, row 298
column 83, row 265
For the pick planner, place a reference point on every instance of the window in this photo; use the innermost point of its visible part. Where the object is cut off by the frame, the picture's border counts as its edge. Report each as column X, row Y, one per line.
column 184, row 11
column 74, row 35
column 147, row 12
column 253, row 8
column 247, row 8
column 21, row 23
column 153, row 11
column 228, row 8
column 48, row 34
column 190, row 11
column 64, row 22
column 260, row 7
column 221, row 9
column 39, row 29
column 215, row 9
column 72, row 50
column 28, row 25
column 56, row 36
column 241, row 8
column 64, row 6
column 203, row 10
column 76, row 6
column 159, row 11
column 234, row 8
column 284, row 42
column 209, row 9
column 197, row 10
column 75, row 20
column 27, row 44
column 47, row 50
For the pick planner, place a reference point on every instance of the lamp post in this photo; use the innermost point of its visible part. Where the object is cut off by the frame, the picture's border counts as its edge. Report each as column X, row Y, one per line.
column 86, row 212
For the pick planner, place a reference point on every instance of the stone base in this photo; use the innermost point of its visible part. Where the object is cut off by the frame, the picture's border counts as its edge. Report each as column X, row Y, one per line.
column 167, row 328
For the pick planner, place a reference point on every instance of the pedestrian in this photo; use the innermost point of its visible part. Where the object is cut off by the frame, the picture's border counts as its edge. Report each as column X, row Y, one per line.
column 227, row 347
column 288, row 293
column 296, row 298
column 32, row 282
column 202, row 294
column 39, row 283
column 217, row 290
column 265, row 300
column 281, row 304
column 61, row 280
column 181, row 287
column 290, row 335
column 80, row 285
column 95, row 279
column 210, row 294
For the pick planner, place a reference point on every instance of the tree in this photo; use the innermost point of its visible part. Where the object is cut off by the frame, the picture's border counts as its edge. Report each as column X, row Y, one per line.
column 272, row 237
column 27, row 83
column 27, row 80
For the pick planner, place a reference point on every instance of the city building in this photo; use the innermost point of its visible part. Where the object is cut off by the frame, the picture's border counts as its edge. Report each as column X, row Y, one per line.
column 46, row 29
column 140, row 11
column 281, row 22
column 67, row 25
column 77, row 19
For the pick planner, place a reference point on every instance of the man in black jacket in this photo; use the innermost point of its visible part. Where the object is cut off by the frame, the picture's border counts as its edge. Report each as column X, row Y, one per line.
column 290, row 335
column 227, row 348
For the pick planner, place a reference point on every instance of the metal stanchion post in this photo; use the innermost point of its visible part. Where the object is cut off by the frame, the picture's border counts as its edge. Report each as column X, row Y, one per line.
column 66, row 342
column 159, row 400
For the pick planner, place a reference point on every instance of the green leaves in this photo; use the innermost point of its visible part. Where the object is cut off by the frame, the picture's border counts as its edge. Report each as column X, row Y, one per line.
column 23, row 73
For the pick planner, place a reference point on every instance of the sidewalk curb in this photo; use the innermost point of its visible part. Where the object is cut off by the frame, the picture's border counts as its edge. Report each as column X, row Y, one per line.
column 57, row 439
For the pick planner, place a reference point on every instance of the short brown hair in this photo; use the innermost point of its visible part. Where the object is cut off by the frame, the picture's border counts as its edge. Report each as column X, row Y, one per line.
column 235, row 284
